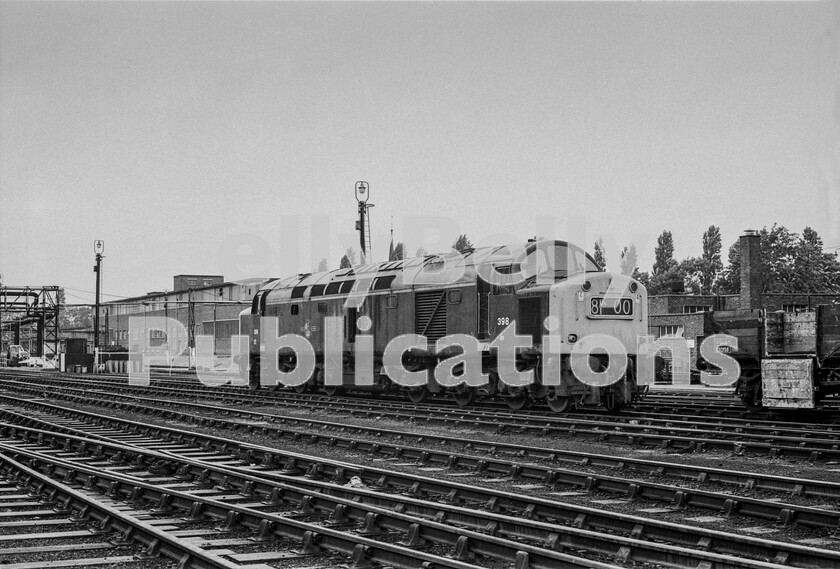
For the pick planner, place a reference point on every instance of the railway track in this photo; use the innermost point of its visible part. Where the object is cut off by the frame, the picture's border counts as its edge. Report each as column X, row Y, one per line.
column 468, row 533
column 48, row 523
column 535, row 508
column 548, row 471
column 811, row 441
column 672, row 403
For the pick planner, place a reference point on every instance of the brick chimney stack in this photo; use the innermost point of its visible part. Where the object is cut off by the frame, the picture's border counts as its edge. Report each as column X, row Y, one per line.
column 751, row 281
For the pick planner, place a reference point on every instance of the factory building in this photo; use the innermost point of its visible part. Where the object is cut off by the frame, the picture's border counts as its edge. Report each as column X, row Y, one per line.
column 203, row 304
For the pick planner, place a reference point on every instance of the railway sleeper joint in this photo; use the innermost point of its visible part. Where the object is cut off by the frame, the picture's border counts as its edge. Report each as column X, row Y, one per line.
column 730, row 507
column 462, row 550
column 786, row 517
column 361, row 557
column 152, row 551
column 522, row 560
column 195, row 512
column 413, row 538
column 125, row 538
column 623, row 554
column 265, row 531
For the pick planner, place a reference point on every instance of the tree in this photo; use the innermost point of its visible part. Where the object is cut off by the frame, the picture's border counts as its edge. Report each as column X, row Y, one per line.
column 421, row 252
column 348, row 260
column 462, row 244
column 73, row 317
column 691, row 269
column 790, row 263
column 397, row 253
column 664, row 253
column 629, row 260
column 729, row 281
column 600, row 256
column 322, row 266
column 667, row 275
column 711, row 265
column 815, row 271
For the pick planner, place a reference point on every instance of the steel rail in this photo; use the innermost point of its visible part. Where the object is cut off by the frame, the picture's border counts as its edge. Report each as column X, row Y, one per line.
column 494, row 500
column 288, row 398
column 729, row 504
column 745, row 480
column 683, row 439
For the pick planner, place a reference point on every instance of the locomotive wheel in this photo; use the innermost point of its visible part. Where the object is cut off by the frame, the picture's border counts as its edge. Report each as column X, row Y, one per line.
column 333, row 390
column 558, row 403
column 304, row 388
column 465, row 396
column 518, row 399
column 417, row 394
column 254, row 380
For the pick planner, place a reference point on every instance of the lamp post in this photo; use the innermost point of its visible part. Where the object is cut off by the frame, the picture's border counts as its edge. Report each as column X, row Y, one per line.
column 1, row 313
column 98, row 248
column 363, row 225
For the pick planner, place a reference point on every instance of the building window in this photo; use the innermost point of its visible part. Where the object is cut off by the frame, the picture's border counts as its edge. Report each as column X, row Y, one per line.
column 191, row 282
column 795, row 307
column 672, row 330
column 694, row 309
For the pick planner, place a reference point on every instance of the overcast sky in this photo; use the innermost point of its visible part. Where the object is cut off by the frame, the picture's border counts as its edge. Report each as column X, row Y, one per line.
column 180, row 133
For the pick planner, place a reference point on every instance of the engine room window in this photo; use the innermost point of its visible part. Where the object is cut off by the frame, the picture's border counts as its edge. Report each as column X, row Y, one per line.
column 391, row 301
column 454, row 297
column 382, row 283
column 295, row 309
column 322, row 307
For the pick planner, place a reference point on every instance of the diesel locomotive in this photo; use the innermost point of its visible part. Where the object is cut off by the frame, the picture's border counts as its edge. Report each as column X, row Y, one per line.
column 549, row 295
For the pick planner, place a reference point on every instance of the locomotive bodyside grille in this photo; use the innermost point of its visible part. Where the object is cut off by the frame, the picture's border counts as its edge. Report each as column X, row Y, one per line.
column 430, row 314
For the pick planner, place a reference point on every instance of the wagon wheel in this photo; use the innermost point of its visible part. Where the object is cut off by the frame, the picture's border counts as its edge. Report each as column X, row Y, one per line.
column 417, row 394
column 640, row 392
column 558, row 403
column 751, row 396
column 611, row 402
column 464, row 395
column 518, row 399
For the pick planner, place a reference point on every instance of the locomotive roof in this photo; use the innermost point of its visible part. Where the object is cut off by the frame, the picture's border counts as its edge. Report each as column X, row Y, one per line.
column 419, row 271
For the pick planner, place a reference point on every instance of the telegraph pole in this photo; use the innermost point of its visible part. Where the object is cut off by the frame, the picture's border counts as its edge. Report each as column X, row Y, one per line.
column 98, row 248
